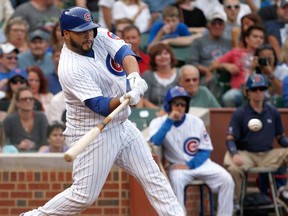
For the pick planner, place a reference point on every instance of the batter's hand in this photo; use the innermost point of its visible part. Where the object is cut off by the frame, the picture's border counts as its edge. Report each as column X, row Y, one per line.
column 133, row 95
column 137, row 83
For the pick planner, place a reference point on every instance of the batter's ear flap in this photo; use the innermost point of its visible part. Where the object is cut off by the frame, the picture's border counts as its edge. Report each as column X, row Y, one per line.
column 95, row 32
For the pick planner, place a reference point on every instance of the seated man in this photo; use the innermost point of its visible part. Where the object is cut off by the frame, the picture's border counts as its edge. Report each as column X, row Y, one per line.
column 245, row 145
column 187, row 148
column 189, row 78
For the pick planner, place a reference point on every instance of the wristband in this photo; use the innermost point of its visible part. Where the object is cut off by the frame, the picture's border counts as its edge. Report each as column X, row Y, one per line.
column 231, row 146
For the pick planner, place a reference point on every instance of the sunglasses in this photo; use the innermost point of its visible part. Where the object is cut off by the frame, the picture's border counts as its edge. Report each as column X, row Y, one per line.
column 229, row 7
column 26, row 99
column 258, row 88
column 11, row 57
column 217, row 22
column 177, row 104
column 15, row 81
column 191, row 79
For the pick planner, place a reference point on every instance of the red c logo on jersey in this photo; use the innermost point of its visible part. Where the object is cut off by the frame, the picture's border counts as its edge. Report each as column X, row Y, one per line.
column 113, row 36
column 191, row 146
column 114, row 67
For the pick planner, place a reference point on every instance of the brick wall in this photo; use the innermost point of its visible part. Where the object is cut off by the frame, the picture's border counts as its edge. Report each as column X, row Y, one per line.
column 30, row 180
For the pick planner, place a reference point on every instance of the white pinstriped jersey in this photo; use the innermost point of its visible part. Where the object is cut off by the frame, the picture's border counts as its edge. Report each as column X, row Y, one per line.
column 84, row 77
column 181, row 143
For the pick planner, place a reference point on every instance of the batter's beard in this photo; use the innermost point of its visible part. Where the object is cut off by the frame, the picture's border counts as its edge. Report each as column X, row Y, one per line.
column 78, row 48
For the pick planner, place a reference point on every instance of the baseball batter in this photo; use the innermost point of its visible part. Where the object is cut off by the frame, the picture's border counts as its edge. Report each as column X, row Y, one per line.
column 187, row 147
column 93, row 70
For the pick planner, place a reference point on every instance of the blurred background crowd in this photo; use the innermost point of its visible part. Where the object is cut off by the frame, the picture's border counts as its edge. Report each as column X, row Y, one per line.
column 210, row 47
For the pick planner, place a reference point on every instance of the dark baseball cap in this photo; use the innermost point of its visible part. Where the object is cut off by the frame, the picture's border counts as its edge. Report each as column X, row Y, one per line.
column 38, row 33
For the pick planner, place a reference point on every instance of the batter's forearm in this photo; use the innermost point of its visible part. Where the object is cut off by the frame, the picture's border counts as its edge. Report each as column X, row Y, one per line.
column 130, row 64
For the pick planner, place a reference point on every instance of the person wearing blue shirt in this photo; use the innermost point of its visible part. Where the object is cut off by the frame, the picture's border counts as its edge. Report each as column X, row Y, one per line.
column 170, row 27
column 37, row 55
column 244, row 145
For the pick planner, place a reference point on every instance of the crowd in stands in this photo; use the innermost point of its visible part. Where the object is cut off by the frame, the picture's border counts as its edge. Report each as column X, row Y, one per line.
column 224, row 43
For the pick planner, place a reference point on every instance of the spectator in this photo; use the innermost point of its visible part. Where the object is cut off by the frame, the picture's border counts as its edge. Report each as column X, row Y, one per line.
column 200, row 96
column 57, row 108
column 284, row 53
column 239, row 12
column 4, row 148
column 56, row 36
column 192, row 16
column 134, row 10
column 39, row 86
column 55, row 139
column 276, row 29
column 207, row 6
column 16, row 32
column 39, row 14
column 206, row 49
column 269, row 13
column 163, row 74
column 6, row 11
column 246, row 21
column 265, row 62
column 26, row 128
column 187, row 148
column 105, row 14
column 248, row 149
column 17, row 78
column 132, row 35
column 37, row 55
column 285, row 91
column 54, row 85
column 120, row 25
column 231, row 9
column 156, row 8
column 237, row 62
column 169, row 28
column 8, row 59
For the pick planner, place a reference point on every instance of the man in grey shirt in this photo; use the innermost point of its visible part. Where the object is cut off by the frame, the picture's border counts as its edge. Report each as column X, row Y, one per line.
column 208, row 48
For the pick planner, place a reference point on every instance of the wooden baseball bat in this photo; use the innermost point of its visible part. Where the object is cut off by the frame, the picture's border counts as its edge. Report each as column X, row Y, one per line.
column 84, row 141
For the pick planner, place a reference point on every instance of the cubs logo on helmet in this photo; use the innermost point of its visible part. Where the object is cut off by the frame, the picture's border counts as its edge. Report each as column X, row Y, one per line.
column 191, row 146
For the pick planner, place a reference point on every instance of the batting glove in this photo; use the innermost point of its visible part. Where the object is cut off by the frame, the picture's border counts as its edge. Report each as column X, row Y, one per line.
column 137, row 83
column 133, row 95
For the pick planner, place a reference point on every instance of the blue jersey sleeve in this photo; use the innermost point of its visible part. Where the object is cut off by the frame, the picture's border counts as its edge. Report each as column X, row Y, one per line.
column 100, row 105
column 159, row 136
column 124, row 51
column 199, row 159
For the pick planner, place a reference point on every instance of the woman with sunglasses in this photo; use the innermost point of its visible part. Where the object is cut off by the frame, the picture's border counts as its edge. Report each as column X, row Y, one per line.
column 265, row 62
column 17, row 79
column 26, row 129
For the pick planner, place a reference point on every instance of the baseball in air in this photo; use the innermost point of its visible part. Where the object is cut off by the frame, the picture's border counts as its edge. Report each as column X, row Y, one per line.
column 255, row 125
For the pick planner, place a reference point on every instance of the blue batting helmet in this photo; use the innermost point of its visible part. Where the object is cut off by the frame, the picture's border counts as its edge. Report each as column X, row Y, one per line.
column 175, row 92
column 77, row 19
column 256, row 81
